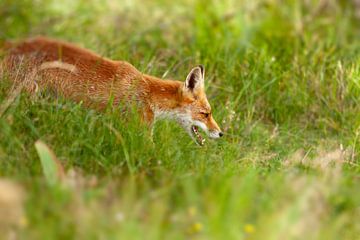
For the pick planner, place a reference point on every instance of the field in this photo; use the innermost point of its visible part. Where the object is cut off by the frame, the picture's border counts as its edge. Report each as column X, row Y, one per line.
column 283, row 78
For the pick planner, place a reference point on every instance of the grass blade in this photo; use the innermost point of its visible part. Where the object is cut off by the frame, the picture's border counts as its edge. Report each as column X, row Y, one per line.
column 52, row 168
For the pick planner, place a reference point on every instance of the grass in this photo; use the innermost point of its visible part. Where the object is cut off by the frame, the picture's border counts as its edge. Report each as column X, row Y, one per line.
column 283, row 78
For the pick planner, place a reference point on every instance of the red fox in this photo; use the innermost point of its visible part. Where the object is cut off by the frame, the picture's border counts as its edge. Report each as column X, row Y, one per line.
column 81, row 75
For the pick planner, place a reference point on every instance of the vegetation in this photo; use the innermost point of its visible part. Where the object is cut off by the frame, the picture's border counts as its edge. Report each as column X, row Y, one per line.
column 283, row 78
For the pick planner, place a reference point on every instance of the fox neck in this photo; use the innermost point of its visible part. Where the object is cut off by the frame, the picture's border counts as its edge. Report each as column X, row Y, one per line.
column 164, row 96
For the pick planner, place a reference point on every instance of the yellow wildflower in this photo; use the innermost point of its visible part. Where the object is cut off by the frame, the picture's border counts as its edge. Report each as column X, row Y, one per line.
column 195, row 228
column 249, row 228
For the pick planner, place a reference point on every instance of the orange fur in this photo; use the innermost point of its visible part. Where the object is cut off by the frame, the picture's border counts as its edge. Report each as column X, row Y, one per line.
column 81, row 75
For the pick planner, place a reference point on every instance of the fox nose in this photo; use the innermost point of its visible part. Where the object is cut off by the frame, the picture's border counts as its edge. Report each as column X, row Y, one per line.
column 221, row 134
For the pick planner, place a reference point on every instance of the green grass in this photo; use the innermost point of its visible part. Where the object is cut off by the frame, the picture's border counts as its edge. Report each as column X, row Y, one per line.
column 283, row 78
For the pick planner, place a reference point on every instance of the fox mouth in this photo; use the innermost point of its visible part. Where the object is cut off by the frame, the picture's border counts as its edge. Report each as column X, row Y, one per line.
column 199, row 139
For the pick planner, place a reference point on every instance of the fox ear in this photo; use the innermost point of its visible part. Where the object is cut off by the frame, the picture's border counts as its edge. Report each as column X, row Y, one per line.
column 195, row 79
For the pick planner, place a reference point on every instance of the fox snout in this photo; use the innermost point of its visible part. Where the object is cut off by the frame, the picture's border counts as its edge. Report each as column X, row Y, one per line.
column 216, row 134
column 214, row 130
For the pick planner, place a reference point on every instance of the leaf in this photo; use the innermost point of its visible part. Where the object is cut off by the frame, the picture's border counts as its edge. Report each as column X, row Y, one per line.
column 52, row 168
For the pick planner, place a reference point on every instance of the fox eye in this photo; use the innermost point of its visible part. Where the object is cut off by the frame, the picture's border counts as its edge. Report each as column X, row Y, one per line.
column 205, row 114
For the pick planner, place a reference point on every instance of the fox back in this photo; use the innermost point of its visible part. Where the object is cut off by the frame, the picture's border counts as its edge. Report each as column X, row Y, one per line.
column 68, row 70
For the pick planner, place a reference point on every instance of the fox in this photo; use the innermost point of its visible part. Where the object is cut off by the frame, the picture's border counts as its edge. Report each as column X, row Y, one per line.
column 81, row 75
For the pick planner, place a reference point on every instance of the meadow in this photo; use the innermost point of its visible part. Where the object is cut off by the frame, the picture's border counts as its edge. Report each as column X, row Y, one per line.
column 283, row 79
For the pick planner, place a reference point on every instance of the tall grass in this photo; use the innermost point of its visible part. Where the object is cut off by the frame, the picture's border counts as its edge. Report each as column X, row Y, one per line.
column 283, row 78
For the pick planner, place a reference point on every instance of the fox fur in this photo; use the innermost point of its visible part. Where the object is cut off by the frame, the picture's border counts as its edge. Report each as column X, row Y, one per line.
column 81, row 75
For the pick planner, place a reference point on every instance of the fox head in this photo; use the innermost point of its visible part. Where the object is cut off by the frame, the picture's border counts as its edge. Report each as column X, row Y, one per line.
column 194, row 111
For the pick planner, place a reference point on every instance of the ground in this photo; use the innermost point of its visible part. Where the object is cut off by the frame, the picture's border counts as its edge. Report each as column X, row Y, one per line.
column 283, row 78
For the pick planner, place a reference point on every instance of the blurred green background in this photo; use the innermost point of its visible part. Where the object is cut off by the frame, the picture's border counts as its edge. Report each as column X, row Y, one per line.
column 283, row 78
